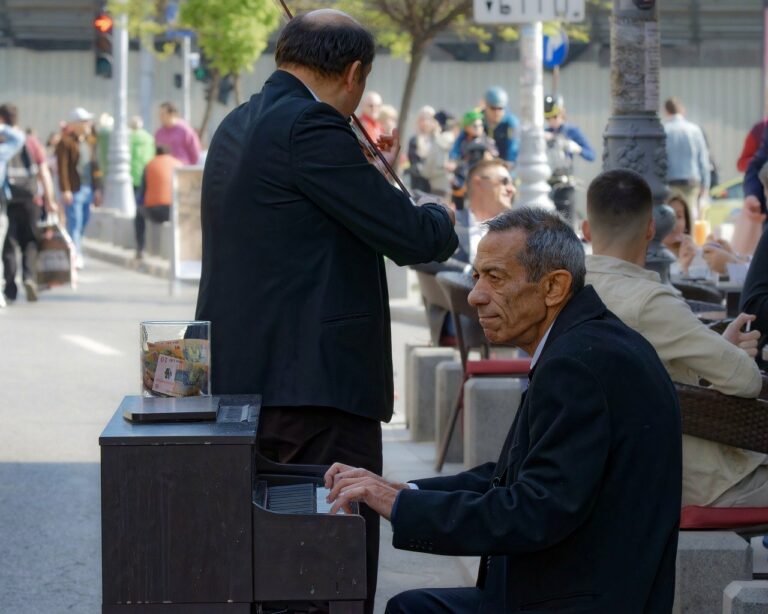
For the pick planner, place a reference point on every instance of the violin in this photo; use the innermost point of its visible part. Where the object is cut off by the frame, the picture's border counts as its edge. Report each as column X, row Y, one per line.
column 369, row 147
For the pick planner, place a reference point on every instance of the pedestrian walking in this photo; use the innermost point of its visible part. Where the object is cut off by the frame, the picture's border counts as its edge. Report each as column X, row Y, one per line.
column 11, row 142
column 31, row 186
column 688, row 168
column 142, row 146
column 174, row 132
column 75, row 160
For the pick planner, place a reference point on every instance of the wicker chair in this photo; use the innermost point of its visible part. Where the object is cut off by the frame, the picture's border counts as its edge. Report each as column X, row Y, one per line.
column 733, row 421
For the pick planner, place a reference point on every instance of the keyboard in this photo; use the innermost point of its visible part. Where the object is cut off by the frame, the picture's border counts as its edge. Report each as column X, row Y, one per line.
column 305, row 498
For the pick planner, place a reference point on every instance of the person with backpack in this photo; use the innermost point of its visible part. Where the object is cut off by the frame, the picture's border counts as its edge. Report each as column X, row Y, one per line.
column 11, row 141
column 25, row 173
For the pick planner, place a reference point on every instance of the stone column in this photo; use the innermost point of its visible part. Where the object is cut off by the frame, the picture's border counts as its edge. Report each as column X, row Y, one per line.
column 532, row 167
column 634, row 137
column 119, row 186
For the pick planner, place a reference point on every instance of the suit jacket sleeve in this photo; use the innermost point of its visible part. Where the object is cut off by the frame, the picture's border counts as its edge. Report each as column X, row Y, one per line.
column 690, row 350
column 553, row 491
column 754, row 294
column 475, row 480
column 752, row 184
column 332, row 171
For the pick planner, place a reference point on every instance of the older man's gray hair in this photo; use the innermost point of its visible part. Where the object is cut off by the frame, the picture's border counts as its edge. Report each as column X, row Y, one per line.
column 550, row 243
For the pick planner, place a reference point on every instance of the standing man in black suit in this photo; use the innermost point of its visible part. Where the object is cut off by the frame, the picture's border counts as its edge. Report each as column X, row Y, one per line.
column 580, row 514
column 295, row 223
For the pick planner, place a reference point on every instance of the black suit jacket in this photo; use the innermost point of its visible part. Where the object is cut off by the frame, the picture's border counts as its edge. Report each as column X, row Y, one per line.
column 295, row 222
column 581, row 512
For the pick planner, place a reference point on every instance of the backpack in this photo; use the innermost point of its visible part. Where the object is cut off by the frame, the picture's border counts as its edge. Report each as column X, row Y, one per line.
column 21, row 174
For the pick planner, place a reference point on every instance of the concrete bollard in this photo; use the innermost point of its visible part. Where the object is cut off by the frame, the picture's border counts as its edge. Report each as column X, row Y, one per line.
column 707, row 561
column 423, row 363
column 490, row 406
column 397, row 279
column 448, row 376
column 746, row 597
column 410, row 399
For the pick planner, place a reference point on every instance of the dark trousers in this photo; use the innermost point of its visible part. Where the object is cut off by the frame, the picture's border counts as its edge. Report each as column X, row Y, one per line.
column 156, row 214
column 322, row 436
column 22, row 233
column 436, row 601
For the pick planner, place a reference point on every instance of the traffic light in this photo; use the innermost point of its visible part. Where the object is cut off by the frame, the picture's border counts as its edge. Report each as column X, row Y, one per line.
column 102, row 28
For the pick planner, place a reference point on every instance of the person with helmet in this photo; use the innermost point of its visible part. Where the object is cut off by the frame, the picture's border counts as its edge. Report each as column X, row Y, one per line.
column 564, row 141
column 499, row 123
column 473, row 145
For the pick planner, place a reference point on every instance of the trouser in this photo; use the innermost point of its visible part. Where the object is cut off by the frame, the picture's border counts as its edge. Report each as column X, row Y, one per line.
column 436, row 601
column 22, row 233
column 689, row 192
column 750, row 491
column 78, row 214
column 3, row 232
column 156, row 214
column 322, row 436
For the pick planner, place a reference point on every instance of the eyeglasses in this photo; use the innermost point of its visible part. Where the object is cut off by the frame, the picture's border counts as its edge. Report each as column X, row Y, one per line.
column 502, row 180
column 496, row 108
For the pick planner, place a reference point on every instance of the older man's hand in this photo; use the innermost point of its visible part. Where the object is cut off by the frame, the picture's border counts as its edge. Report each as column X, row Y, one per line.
column 746, row 341
column 348, row 484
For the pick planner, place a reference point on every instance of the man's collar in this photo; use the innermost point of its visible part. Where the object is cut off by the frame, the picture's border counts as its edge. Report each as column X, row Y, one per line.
column 540, row 347
column 583, row 306
column 597, row 263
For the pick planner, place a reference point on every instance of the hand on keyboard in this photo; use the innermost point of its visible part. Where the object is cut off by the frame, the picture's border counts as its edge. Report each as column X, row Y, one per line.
column 355, row 484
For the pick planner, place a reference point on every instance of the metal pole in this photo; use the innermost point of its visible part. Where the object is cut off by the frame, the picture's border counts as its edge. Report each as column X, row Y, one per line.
column 146, row 83
column 186, row 111
column 532, row 167
column 119, row 186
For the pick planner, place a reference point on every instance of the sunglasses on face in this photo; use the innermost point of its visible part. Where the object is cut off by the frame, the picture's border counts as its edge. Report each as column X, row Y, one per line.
column 502, row 180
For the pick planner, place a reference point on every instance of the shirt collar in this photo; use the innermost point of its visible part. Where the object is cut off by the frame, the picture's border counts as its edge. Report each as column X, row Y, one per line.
column 608, row 264
column 310, row 89
column 540, row 347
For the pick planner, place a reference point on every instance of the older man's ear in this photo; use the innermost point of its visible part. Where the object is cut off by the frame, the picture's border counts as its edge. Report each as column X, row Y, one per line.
column 557, row 287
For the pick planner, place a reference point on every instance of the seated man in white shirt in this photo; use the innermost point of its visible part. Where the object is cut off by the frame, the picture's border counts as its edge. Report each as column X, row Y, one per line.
column 620, row 226
column 490, row 191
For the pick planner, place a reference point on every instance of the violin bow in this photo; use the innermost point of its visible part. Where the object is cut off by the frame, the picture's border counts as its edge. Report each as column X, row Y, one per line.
column 370, row 145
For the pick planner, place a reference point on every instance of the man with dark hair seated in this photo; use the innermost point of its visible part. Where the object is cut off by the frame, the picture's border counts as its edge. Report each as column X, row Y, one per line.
column 620, row 225
column 580, row 513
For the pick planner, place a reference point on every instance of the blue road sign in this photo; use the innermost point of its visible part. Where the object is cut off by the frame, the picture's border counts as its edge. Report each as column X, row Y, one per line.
column 555, row 49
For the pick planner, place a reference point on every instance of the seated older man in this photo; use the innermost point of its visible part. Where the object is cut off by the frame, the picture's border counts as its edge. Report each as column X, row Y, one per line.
column 620, row 226
column 580, row 512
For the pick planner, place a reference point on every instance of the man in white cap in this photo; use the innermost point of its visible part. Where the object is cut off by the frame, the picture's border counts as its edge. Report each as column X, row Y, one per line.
column 74, row 155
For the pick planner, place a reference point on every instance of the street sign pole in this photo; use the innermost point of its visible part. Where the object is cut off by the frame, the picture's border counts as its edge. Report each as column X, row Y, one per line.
column 119, row 185
column 186, row 107
column 532, row 167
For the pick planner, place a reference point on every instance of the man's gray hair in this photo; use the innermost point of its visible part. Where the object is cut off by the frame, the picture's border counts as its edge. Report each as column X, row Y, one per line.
column 550, row 243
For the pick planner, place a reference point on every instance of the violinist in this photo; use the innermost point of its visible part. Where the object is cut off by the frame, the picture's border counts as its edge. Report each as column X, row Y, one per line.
column 296, row 223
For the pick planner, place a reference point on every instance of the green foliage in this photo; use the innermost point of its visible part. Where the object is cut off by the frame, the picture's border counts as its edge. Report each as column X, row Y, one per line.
column 231, row 33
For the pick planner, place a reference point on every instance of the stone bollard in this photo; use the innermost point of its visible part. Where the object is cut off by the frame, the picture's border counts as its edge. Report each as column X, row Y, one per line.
column 397, row 279
column 746, row 597
column 410, row 399
column 421, row 373
column 707, row 561
column 448, row 378
column 490, row 405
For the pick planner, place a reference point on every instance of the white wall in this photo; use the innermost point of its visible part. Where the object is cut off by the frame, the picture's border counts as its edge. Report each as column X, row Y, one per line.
column 725, row 101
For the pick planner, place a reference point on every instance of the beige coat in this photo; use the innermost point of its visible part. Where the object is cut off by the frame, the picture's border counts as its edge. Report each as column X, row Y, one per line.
column 689, row 351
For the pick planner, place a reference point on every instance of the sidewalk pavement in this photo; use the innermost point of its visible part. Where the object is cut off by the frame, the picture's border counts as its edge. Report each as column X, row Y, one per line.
column 68, row 360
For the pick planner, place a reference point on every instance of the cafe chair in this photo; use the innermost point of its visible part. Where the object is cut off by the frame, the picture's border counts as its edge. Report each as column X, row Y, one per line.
column 469, row 335
column 733, row 421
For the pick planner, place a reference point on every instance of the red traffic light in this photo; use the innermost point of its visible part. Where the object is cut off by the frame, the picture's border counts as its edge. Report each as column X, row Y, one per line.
column 103, row 23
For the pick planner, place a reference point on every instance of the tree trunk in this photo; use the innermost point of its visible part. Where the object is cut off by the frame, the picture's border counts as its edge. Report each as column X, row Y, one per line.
column 238, row 93
column 418, row 49
column 213, row 93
